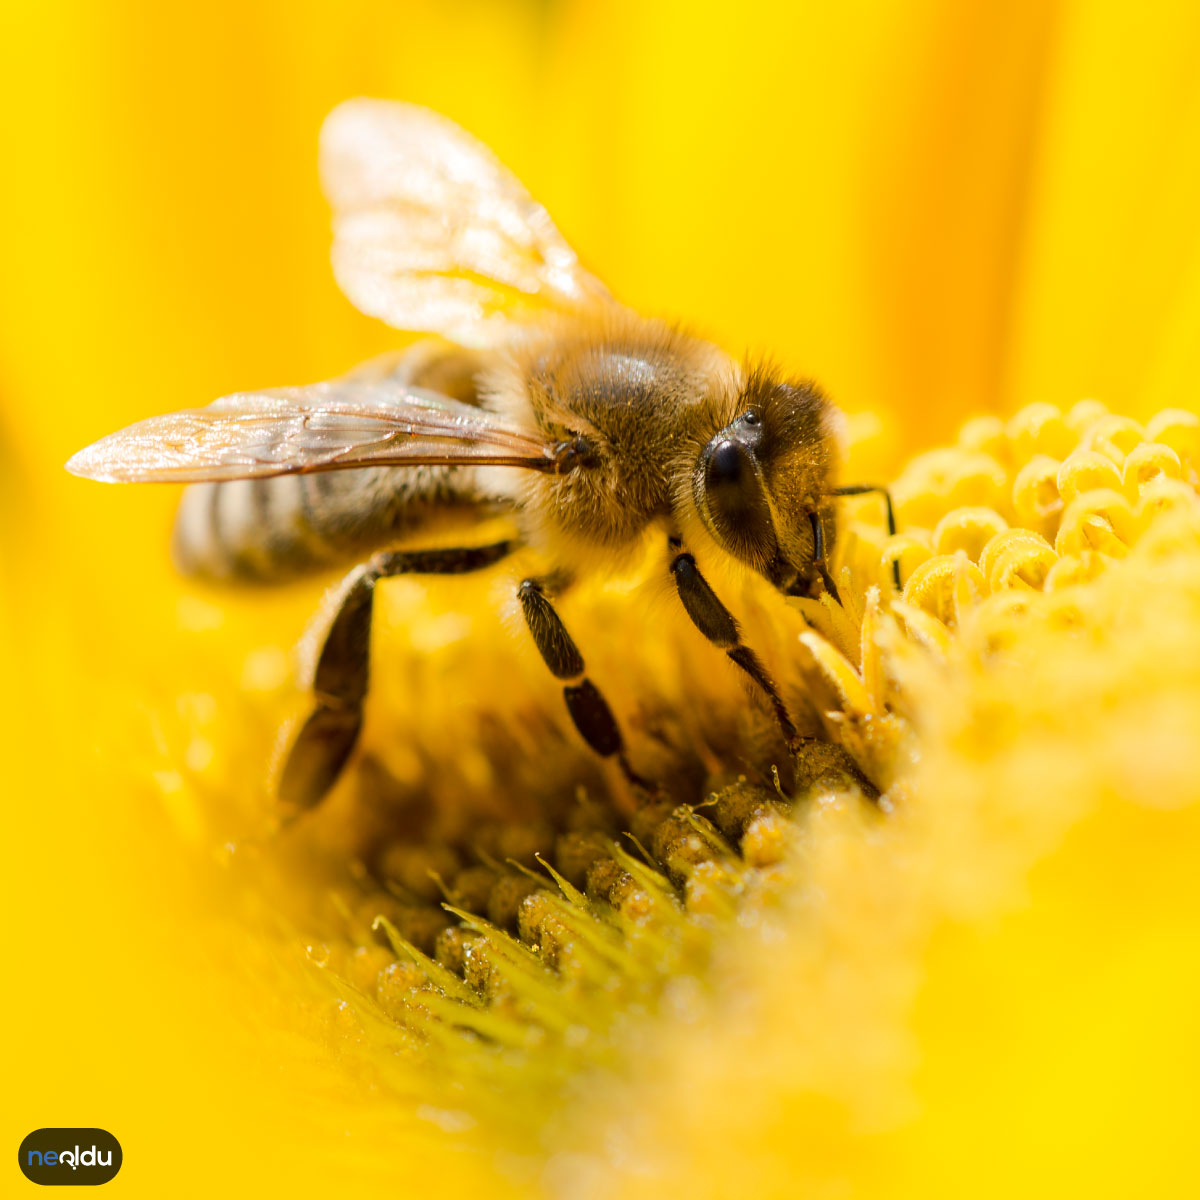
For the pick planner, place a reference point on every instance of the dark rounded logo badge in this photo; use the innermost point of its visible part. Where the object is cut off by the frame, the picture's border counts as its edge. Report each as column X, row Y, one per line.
column 75, row 1157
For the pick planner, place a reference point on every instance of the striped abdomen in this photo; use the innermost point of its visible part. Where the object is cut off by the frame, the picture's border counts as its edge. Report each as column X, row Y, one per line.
column 268, row 530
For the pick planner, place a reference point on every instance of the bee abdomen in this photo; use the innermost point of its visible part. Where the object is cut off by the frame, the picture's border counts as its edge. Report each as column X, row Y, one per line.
column 270, row 530
column 232, row 530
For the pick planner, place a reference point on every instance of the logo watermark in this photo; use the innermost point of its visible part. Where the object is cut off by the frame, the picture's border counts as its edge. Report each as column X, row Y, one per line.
column 75, row 1157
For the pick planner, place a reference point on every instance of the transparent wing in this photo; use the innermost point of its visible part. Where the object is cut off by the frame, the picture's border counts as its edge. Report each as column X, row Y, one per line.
column 324, row 427
column 433, row 233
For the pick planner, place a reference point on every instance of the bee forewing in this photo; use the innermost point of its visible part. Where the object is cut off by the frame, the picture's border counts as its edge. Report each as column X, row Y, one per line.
column 324, row 427
column 433, row 233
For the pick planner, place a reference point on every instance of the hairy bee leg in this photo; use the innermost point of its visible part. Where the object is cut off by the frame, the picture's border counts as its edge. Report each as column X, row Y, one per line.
column 718, row 624
column 588, row 708
column 340, row 680
column 866, row 489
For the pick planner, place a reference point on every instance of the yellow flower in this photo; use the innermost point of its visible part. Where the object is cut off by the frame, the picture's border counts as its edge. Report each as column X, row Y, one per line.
column 983, row 985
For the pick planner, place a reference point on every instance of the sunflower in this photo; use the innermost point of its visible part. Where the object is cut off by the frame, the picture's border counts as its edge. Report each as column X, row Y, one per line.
column 483, row 964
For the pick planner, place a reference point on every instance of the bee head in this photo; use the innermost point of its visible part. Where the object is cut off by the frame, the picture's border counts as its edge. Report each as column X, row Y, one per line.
column 759, row 480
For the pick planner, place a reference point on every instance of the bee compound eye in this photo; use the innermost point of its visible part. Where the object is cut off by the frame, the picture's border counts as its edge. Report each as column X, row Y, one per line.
column 728, row 465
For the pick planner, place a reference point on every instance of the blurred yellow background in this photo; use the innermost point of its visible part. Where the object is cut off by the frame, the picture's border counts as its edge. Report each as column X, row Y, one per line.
column 935, row 208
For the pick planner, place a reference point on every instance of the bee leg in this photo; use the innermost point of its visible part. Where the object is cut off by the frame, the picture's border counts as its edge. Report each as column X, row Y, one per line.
column 588, row 708
column 815, row 761
column 865, row 489
column 718, row 624
column 339, row 684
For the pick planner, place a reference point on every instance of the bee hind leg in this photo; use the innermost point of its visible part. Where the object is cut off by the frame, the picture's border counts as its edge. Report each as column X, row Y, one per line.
column 325, row 741
column 589, row 710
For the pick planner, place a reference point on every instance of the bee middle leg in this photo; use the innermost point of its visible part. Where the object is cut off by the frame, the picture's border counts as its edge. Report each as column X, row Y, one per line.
column 588, row 708
column 340, row 680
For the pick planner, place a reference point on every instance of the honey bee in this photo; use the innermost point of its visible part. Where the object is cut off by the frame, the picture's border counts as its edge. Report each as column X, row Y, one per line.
column 543, row 396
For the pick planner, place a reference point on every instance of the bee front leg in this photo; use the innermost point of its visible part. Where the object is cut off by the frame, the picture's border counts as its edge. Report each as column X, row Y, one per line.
column 868, row 489
column 588, row 708
column 718, row 624
column 339, row 684
column 816, row 761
